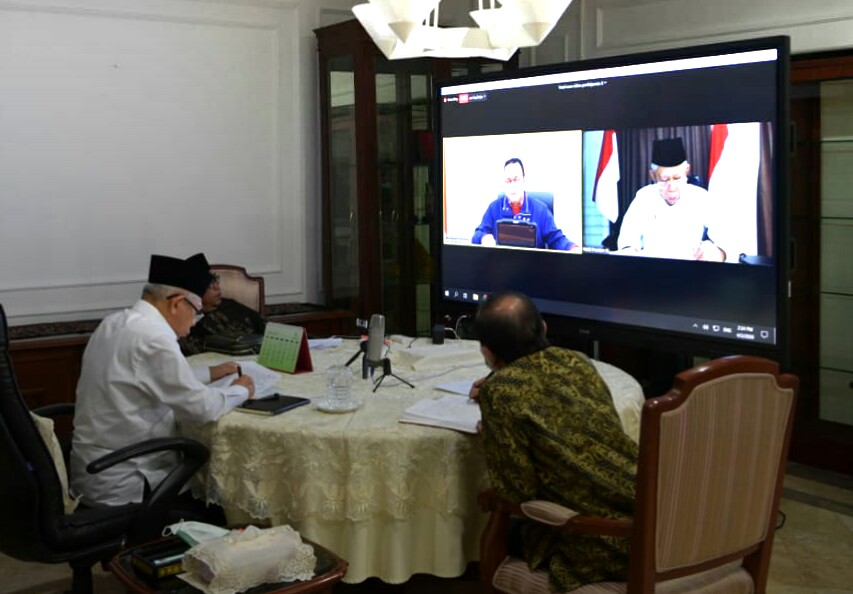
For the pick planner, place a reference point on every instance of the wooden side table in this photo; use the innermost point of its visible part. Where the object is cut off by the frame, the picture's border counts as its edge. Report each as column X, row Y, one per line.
column 327, row 572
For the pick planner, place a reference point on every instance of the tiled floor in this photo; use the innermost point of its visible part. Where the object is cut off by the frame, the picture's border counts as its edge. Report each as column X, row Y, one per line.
column 813, row 553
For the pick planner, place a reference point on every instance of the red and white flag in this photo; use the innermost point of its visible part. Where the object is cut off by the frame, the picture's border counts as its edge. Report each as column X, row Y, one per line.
column 733, row 181
column 606, row 194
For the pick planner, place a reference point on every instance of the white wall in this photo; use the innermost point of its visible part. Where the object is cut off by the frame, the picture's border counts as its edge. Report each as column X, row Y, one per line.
column 131, row 127
column 594, row 28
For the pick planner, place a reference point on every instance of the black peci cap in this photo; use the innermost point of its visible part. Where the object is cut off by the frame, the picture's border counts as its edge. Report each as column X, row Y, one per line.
column 199, row 261
column 668, row 152
column 165, row 270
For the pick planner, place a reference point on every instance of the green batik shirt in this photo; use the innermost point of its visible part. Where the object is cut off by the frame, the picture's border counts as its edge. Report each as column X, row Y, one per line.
column 231, row 318
column 550, row 431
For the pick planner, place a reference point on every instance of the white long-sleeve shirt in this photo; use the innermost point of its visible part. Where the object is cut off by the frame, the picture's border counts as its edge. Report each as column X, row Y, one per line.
column 655, row 228
column 135, row 385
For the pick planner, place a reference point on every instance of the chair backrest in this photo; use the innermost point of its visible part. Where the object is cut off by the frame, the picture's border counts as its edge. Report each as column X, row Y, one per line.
column 709, row 477
column 238, row 285
column 547, row 198
column 31, row 503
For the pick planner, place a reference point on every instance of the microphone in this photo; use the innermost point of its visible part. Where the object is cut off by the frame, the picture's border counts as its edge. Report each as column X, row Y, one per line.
column 375, row 338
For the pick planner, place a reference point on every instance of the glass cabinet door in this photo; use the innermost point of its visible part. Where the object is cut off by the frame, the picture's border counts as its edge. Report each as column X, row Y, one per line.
column 822, row 276
column 378, row 176
column 342, row 236
column 836, row 233
column 405, row 160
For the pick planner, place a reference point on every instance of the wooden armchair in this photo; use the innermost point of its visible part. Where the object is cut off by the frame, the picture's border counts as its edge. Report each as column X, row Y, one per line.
column 709, row 479
column 238, row 285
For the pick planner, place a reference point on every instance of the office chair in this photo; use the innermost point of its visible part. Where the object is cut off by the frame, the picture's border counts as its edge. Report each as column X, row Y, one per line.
column 33, row 522
column 239, row 285
column 709, row 479
column 546, row 198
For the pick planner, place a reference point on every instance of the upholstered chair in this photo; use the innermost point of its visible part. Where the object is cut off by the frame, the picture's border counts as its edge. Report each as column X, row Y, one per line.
column 709, row 479
column 239, row 285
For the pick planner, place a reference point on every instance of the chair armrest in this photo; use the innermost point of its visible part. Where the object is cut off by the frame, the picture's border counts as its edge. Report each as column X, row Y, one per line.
column 189, row 447
column 155, row 508
column 55, row 410
column 546, row 512
column 493, row 543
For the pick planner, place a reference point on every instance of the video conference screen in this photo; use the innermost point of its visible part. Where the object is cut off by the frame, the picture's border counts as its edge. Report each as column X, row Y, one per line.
column 644, row 192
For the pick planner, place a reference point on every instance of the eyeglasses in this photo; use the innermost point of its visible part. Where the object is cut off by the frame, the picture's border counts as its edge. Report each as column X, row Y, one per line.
column 674, row 181
column 214, row 279
column 197, row 310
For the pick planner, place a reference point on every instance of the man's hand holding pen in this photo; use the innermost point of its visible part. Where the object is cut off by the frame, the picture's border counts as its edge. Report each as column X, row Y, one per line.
column 474, row 392
column 246, row 382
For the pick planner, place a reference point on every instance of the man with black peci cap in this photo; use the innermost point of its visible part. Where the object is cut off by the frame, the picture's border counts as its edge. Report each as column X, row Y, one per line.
column 135, row 385
column 670, row 218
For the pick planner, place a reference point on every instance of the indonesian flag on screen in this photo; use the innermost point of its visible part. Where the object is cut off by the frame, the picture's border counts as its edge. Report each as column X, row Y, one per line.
column 605, row 195
column 733, row 181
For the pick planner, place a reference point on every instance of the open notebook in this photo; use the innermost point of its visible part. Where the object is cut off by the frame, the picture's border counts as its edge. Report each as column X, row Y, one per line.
column 450, row 412
column 264, row 378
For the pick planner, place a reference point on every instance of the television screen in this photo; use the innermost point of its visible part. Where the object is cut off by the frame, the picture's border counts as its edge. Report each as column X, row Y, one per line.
column 641, row 196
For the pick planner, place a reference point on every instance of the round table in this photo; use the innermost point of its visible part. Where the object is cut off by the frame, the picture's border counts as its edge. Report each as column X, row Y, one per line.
column 393, row 499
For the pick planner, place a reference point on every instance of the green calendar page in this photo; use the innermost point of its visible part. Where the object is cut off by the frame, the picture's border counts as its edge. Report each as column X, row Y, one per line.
column 285, row 348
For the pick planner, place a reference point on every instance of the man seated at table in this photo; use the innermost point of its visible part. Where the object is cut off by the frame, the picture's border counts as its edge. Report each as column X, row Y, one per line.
column 550, row 431
column 135, row 385
column 516, row 210
column 222, row 317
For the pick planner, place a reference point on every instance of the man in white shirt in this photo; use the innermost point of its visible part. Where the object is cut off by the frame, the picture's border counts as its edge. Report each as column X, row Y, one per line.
column 670, row 218
column 135, row 385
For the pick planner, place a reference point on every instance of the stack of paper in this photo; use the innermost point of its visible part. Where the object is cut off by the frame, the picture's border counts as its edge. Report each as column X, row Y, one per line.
column 449, row 412
column 265, row 379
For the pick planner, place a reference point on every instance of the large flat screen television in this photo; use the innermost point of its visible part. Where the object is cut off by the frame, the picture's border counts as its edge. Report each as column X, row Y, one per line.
column 638, row 197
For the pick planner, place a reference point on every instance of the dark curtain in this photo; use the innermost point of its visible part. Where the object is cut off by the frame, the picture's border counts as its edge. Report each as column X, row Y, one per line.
column 765, row 192
column 635, row 155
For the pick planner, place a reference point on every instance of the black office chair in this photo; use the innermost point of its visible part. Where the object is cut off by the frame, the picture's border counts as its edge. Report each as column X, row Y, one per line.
column 33, row 522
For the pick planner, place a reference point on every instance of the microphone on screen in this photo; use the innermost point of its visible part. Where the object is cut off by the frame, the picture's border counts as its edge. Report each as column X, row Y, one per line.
column 375, row 338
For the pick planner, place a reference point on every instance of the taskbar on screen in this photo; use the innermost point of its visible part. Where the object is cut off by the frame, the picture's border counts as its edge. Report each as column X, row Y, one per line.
column 737, row 332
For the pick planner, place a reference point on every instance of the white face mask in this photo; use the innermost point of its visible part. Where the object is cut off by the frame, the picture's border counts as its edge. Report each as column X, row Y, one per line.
column 194, row 533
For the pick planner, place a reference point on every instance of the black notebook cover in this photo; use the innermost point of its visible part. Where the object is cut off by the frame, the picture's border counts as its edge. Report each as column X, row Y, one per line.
column 272, row 405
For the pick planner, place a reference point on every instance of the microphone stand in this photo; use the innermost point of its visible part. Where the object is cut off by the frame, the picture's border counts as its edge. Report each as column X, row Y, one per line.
column 386, row 371
column 367, row 367
column 362, row 348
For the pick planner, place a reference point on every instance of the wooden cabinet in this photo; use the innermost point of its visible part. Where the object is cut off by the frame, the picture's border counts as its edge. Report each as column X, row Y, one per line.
column 378, row 167
column 822, row 276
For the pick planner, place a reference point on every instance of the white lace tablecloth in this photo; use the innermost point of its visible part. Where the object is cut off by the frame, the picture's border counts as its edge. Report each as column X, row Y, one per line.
column 393, row 499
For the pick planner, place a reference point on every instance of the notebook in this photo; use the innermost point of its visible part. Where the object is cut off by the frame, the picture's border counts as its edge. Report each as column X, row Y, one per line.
column 449, row 412
column 272, row 405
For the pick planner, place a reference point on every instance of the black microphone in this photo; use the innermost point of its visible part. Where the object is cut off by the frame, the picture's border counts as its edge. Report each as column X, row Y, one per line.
column 375, row 338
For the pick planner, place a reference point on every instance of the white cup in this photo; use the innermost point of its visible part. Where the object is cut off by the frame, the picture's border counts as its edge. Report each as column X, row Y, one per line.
column 339, row 386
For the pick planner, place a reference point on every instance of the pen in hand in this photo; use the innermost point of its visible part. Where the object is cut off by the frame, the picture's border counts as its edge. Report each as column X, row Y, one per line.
column 239, row 371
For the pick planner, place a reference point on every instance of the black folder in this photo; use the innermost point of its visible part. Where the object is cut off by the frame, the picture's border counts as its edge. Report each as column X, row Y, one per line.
column 273, row 405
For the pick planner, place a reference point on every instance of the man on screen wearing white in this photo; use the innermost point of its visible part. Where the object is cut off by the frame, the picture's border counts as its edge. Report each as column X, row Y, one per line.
column 670, row 218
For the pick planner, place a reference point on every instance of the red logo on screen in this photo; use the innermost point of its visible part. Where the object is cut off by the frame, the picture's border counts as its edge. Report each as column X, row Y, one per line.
column 463, row 98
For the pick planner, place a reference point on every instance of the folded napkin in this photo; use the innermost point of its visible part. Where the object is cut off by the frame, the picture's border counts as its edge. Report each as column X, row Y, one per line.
column 247, row 558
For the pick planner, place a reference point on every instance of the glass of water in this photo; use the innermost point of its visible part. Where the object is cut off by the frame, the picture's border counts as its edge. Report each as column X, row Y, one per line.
column 339, row 386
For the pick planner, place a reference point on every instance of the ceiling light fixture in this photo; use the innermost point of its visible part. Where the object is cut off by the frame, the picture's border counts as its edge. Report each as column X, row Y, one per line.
column 409, row 28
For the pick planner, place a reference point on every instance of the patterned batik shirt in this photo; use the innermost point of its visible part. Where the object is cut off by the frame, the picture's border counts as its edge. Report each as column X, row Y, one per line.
column 231, row 318
column 551, row 431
